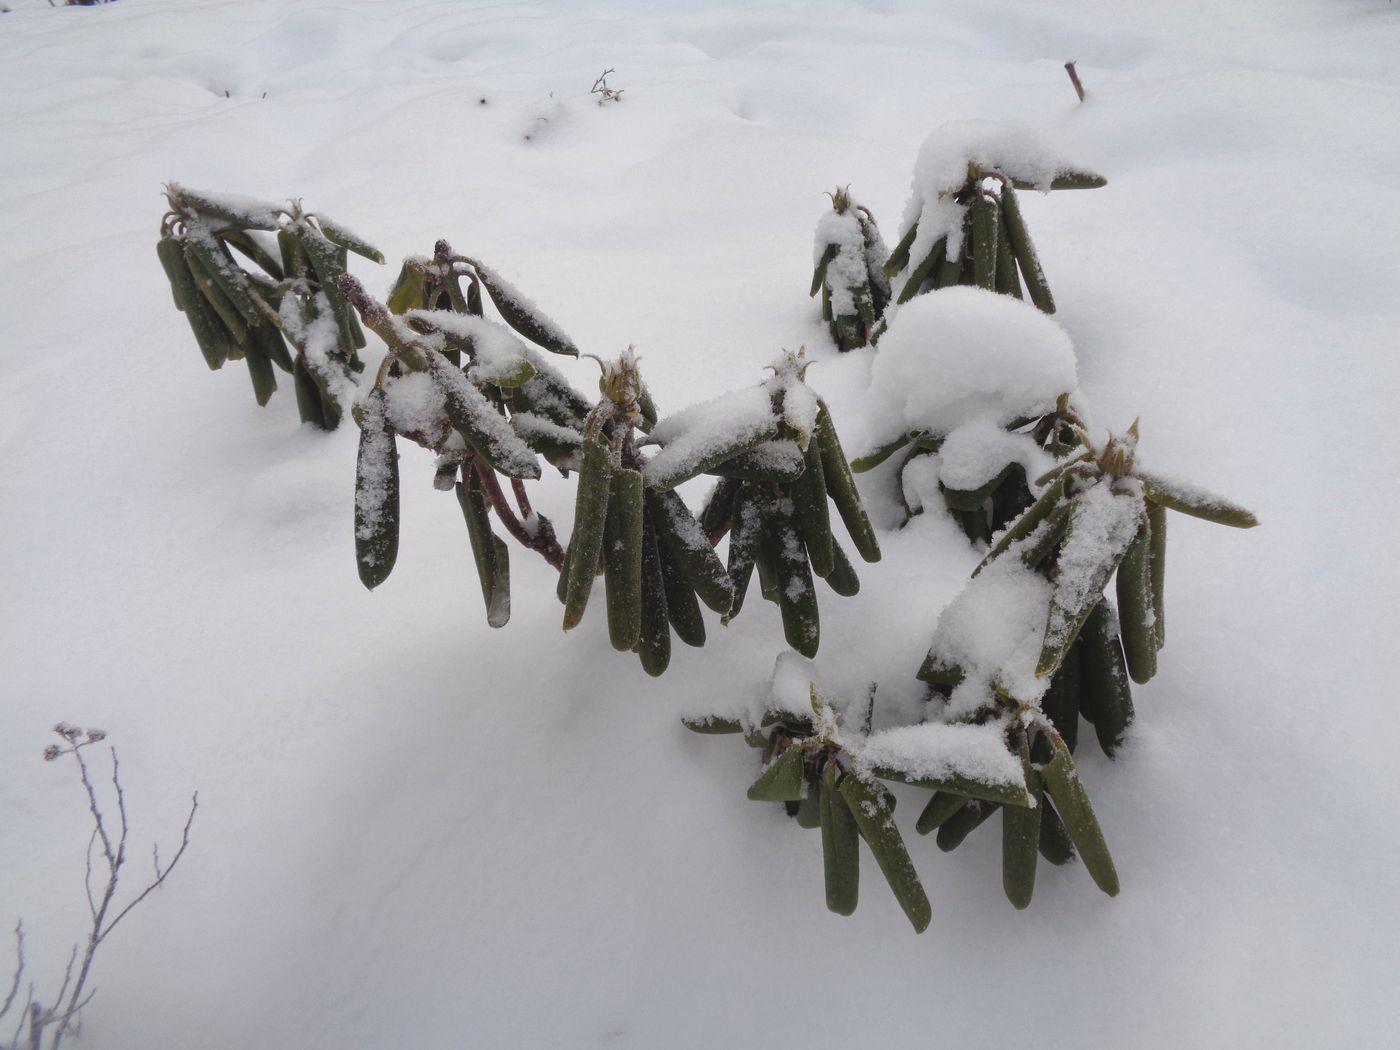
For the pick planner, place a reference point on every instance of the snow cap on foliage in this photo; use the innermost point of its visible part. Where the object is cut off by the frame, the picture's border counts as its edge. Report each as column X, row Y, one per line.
column 964, row 354
column 231, row 207
column 1106, row 519
column 498, row 353
column 860, row 254
column 376, row 476
column 695, row 436
column 702, row 436
column 993, row 631
column 938, row 752
column 414, row 404
column 788, row 691
column 1011, row 147
column 849, row 268
column 319, row 340
column 790, row 688
column 976, row 452
column 788, row 387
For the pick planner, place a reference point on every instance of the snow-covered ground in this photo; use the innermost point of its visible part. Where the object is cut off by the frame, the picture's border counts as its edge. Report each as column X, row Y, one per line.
column 417, row 831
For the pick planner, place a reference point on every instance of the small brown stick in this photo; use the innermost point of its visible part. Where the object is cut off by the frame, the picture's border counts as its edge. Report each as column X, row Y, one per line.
column 1074, row 79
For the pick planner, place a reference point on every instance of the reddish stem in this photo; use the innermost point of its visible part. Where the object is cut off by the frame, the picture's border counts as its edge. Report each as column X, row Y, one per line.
column 542, row 540
column 522, row 499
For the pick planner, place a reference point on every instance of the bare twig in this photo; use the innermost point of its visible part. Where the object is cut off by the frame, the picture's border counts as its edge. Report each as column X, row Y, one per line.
column 19, row 969
column 24, row 1015
column 161, row 873
column 61, row 1018
column 67, row 975
column 87, row 875
column 601, row 89
column 1074, row 79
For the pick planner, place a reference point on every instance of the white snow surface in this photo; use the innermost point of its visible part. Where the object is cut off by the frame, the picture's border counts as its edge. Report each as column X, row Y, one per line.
column 415, row 830
column 964, row 354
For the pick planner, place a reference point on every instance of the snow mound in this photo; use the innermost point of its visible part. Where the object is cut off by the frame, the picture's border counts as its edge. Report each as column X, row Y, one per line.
column 962, row 354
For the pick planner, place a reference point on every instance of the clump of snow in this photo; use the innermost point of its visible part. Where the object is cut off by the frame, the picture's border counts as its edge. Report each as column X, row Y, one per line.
column 529, row 425
column 993, row 631
column 319, row 341
column 850, row 268
column 976, row 452
column 549, row 392
column 1102, row 525
column 415, row 404
column 248, row 211
column 705, row 435
column 787, row 691
column 1011, row 147
column 964, row 354
column 376, row 472
column 497, row 352
column 938, row 751
column 781, row 457
column 799, row 402
column 920, row 482
column 471, row 408
column 790, row 687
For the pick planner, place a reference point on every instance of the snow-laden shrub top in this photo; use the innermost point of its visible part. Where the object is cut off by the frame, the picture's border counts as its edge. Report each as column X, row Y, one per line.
column 961, row 355
column 957, row 151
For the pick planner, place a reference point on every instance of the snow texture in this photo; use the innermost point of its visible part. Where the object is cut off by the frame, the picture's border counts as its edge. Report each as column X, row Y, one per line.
column 247, row 211
column 790, row 687
column 1102, row 524
column 1012, row 147
column 993, row 630
column 497, row 352
column 705, row 435
column 850, row 268
column 319, row 341
column 779, row 457
column 415, row 404
column 935, row 751
column 528, row 425
column 375, row 471
column 977, row 451
column 484, row 426
column 800, row 403
column 549, row 392
column 964, row 354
